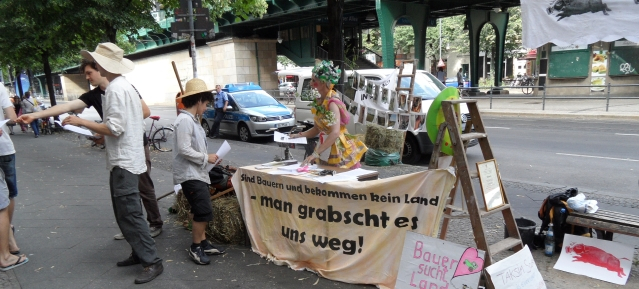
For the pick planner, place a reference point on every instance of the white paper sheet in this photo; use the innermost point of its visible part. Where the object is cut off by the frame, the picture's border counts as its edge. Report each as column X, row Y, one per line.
column 284, row 138
column 75, row 129
column 177, row 188
column 517, row 271
column 335, row 178
column 224, row 149
column 356, row 172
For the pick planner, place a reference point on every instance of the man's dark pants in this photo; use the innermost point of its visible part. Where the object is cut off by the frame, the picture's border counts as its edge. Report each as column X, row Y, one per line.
column 219, row 114
column 128, row 214
column 147, row 193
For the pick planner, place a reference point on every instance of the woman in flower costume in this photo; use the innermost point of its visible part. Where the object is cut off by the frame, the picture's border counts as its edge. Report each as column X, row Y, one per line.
column 335, row 147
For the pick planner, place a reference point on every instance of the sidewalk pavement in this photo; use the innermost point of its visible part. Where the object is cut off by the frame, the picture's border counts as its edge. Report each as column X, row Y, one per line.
column 64, row 223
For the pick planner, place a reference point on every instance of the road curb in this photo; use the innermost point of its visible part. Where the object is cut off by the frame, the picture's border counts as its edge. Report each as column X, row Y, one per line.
column 560, row 115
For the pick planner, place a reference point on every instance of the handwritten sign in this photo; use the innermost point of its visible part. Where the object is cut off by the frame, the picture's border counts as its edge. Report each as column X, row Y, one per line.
column 434, row 263
column 490, row 184
column 517, row 271
column 600, row 259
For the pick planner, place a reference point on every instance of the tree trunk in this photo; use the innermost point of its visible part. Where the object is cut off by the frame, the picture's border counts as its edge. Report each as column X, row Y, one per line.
column 49, row 77
column 110, row 33
column 335, row 11
column 19, row 90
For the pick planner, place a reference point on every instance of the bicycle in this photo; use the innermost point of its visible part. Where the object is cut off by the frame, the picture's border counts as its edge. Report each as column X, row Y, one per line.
column 527, row 84
column 162, row 138
column 463, row 92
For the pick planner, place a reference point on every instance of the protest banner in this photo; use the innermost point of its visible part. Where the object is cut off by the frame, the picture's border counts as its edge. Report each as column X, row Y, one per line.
column 600, row 259
column 429, row 262
column 347, row 231
column 517, row 271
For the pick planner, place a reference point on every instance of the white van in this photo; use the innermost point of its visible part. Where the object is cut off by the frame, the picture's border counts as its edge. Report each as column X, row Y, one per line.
column 426, row 85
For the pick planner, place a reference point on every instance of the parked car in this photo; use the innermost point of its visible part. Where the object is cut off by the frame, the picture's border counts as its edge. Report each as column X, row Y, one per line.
column 287, row 87
column 426, row 85
column 452, row 82
column 251, row 112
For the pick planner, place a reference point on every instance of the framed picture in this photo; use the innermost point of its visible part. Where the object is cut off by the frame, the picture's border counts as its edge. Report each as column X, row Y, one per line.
column 392, row 102
column 371, row 113
column 491, row 186
column 362, row 82
column 403, row 101
column 382, row 118
column 416, row 104
column 361, row 114
column 385, row 95
column 353, row 108
column 377, row 95
column 370, row 87
column 355, row 83
column 404, row 121
column 419, row 122
column 392, row 120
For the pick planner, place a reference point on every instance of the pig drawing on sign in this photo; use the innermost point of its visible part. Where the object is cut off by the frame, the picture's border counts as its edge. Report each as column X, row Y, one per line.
column 567, row 8
column 595, row 256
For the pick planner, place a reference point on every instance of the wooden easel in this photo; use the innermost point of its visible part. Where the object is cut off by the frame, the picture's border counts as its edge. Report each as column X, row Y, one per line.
column 464, row 176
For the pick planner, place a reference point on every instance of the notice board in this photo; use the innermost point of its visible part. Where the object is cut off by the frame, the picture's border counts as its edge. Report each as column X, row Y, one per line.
column 569, row 61
column 624, row 59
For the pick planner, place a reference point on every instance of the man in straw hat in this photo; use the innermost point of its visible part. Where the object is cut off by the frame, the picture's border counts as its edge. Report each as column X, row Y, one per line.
column 123, row 127
column 94, row 98
column 190, row 159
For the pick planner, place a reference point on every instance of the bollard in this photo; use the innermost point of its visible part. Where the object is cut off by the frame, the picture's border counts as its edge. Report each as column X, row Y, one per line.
column 543, row 99
column 608, row 97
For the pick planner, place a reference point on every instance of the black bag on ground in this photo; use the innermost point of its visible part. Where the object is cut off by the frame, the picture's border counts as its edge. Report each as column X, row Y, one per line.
column 550, row 211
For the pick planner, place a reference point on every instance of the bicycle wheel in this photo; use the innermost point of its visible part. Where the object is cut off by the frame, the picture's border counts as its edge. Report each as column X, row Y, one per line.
column 162, row 139
column 527, row 87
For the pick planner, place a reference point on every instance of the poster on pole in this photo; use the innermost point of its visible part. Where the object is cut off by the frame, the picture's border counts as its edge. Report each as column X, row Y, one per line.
column 434, row 263
column 518, row 271
column 600, row 259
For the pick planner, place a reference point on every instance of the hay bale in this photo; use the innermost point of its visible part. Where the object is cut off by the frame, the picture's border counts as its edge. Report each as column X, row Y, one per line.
column 384, row 139
column 227, row 226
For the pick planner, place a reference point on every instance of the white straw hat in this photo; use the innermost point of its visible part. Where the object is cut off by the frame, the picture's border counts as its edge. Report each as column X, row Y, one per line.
column 194, row 86
column 110, row 57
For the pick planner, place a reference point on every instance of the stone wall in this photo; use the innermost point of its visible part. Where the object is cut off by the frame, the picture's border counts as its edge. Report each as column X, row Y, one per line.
column 229, row 60
column 73, row 85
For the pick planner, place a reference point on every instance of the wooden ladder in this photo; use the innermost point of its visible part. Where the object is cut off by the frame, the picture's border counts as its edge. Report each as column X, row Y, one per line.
column 401, row 75
column 465, row 176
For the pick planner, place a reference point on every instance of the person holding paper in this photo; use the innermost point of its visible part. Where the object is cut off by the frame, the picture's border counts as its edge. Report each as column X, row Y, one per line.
column 122, row 128
column 190, row 162
column 94, row 98
column 336, row 147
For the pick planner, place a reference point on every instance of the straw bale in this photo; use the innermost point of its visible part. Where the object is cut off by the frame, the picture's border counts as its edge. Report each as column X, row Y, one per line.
column 384, row 139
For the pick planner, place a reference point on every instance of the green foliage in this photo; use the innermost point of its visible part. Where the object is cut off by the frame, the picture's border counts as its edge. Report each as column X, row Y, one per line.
column 241, row 9
column 285, row 61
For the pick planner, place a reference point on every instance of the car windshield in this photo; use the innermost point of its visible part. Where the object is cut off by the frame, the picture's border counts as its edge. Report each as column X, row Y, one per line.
column 425, row 86
column 253, row 98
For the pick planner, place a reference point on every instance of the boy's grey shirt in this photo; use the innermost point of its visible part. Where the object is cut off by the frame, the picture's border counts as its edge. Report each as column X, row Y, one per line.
column 190, row 155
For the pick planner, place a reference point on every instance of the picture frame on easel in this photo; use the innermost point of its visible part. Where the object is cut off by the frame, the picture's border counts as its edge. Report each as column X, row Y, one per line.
column 491, row 186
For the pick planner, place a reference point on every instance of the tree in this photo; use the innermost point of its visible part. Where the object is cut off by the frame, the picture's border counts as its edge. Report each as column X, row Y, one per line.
column 242, row 9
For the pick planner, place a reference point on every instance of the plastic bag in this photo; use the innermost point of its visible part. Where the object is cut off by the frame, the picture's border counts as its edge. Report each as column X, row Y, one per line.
column 381, row 159
column 579, row 204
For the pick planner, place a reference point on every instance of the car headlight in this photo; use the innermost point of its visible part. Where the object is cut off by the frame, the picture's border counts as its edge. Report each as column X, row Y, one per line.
column 255, row 118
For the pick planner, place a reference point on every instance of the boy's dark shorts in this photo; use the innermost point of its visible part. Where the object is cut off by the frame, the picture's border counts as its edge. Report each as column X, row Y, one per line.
column 197, row 193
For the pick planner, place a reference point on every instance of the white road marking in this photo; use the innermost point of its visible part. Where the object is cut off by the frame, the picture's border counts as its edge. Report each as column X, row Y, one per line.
column 498, row 127
column 597, row 157
column 635, row 134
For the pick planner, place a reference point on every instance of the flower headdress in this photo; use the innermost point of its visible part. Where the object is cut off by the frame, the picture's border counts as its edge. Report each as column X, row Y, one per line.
column 326, row 72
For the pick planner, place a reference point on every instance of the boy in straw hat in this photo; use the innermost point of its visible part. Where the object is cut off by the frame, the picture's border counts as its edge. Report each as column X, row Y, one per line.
column 123, row 127
column 190, row 158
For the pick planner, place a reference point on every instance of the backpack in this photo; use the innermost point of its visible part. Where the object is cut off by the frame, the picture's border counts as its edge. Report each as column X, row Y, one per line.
column 220, row 177
column 550, row 212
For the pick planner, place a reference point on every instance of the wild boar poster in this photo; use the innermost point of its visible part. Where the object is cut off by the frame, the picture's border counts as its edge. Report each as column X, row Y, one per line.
column 600, row 259
column 564, row 22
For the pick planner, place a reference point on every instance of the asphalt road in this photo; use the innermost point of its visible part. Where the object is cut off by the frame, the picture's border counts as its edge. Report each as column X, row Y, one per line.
column 595, row 156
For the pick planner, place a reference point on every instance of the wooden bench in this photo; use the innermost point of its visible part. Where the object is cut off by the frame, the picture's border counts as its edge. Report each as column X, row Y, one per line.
column 605, row 223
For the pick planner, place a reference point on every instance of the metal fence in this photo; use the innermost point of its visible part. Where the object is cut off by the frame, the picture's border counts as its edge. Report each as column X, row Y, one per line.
column 541, row 93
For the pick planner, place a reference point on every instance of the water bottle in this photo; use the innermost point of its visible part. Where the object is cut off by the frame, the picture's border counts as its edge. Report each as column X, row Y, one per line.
column 549, row 242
